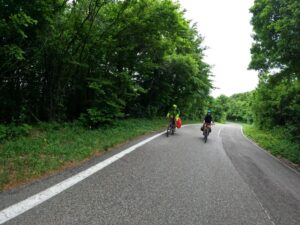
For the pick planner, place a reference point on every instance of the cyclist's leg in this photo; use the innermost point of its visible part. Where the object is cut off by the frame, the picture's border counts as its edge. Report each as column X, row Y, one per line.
column 173, row 122
column 170, row 123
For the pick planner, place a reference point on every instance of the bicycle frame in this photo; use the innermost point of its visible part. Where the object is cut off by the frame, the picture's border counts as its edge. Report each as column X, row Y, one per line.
column 206, row 129
column 171, row 127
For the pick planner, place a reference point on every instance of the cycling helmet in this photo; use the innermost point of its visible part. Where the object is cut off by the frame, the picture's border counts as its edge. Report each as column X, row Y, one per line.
column 174, row 106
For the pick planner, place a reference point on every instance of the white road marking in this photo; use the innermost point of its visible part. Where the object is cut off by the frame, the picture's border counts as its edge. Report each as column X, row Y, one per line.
column 27, row 204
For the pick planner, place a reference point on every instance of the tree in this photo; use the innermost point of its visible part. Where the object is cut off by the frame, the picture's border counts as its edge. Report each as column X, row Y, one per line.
column 25, row 27
column 240, row 107
column 276, row 47
column 275, row 54
column 98, row 59
column 277, row 106
column 220, row 108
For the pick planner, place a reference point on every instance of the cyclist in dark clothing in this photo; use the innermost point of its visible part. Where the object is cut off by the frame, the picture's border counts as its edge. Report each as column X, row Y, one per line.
column 207, row 120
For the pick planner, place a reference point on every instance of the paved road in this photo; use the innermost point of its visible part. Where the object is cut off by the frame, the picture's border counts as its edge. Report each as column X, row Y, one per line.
column 176, row 180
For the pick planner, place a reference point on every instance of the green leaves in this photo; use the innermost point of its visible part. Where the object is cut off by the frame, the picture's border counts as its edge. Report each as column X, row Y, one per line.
column 277, row 105
column 14, row 52
column 277, row 31
column 237, row 107
column 101, row 59
column 21, row 20
column 276, row 53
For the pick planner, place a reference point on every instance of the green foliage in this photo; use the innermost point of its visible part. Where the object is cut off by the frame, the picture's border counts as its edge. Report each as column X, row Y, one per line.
column 237, row 107
column 13, row 131
column 277, row 31
column 25, row 28
column 240, row 107
column 3, row 132
column 275, row 54
column 52, row 146
column 276, row 140
column 277, row 105
column 102, row 59
column 220, row 107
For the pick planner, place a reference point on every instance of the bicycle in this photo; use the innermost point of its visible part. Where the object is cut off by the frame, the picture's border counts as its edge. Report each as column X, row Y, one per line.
column 206, row 131
column 171, row 127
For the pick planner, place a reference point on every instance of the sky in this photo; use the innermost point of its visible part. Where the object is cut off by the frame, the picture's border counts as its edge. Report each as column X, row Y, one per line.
column 226, row 28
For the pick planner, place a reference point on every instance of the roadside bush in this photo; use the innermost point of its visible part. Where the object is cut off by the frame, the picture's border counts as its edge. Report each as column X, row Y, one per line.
column 3, row 132
column 13, row 131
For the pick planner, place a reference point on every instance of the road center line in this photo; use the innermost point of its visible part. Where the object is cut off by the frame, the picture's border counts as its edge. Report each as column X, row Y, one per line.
column 27, row 204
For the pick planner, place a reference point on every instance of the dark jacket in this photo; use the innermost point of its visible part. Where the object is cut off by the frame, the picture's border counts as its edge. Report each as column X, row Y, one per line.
column 208, row 118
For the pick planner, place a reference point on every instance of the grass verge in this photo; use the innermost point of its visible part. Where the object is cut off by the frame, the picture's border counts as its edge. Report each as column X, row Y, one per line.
column 275, row 141
column 52, row 147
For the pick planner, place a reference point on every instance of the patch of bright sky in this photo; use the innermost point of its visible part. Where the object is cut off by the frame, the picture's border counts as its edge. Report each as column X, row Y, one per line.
column 226, row 28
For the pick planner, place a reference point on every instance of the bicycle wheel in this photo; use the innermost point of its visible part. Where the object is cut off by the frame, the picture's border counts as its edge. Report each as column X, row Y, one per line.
column 168, row 131
column 205, row 135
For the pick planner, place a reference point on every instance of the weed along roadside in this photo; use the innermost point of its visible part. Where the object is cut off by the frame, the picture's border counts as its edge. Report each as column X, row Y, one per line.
column 49, row 148
column 276, row 142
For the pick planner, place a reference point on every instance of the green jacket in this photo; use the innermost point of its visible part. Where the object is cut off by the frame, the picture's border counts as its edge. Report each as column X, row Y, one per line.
column 173, row 113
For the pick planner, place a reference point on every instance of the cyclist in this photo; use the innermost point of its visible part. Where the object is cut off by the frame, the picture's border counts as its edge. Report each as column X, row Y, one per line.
column 173, row 114
column 207, row 120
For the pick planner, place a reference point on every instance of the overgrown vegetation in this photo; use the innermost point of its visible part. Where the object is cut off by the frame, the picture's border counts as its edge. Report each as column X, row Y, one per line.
column 277, row 141
column 51, row 146
column 98, row 60
column 275, row 54
column 237, row 108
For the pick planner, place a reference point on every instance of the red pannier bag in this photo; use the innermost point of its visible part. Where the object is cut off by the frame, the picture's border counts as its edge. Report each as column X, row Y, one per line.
column 178, row 123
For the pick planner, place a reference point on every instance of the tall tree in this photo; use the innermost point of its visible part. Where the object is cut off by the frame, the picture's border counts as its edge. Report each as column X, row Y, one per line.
column 276, row 47
column 103, row 59
column 275, row 54
column 24, row 27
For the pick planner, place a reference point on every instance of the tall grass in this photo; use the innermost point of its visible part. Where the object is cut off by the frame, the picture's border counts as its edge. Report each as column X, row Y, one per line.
column 277, row 141
column 52, row 146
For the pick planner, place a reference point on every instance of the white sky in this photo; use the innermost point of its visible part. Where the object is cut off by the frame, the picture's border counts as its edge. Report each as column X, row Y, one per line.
column 225, row 26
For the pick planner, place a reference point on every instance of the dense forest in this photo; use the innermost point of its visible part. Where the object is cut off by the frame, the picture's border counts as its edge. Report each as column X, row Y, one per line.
column 101, row 60
column 98, row 60
column 236, row 108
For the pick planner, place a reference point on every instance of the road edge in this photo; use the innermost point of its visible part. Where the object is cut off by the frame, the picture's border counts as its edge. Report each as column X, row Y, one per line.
column 285, row 162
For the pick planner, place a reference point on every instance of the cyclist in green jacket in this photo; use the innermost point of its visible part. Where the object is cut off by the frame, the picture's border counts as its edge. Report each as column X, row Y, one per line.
column 173, row 114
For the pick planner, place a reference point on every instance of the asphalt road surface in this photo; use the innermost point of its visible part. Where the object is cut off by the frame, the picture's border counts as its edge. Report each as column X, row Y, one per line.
column 174, row 180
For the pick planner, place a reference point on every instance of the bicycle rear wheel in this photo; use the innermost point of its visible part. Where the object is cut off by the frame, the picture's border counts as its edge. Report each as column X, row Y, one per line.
column 168, row 131
column 205, row 135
